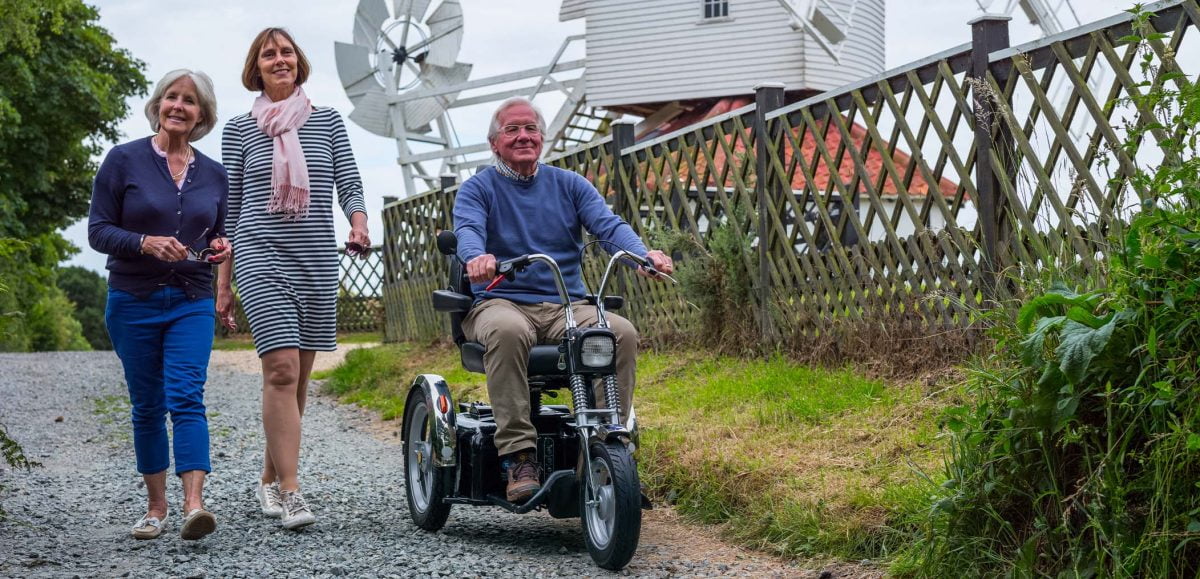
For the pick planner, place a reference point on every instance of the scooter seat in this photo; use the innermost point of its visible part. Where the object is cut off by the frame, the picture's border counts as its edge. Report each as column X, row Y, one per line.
column 543, row 359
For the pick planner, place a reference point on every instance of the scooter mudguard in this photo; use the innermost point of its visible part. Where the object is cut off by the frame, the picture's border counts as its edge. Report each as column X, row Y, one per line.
column 613, row 432
column 444, row 439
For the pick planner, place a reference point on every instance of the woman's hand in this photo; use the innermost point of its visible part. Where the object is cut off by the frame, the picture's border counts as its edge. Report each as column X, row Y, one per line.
column 360, row 238
column 223, row 250
column 164, row 248
column 225, row 309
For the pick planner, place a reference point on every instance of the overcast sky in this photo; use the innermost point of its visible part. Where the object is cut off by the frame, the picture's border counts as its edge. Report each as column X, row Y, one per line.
column 500, row 36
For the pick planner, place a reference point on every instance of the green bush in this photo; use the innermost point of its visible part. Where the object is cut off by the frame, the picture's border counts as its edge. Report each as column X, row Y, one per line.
column 34, row 314
column 717, row 280
column 1081, row 456
column 89, row 292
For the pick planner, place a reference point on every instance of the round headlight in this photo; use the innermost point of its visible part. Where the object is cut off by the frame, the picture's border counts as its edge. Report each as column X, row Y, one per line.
column 596, row 351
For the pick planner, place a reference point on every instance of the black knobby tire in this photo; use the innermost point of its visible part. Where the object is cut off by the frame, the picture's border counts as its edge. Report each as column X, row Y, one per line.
column 612, row 525
column 425, row 485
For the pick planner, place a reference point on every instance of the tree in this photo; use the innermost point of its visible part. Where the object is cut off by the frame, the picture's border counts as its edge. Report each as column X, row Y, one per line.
column 34, row 313
column 89, row 293
column 64, row 90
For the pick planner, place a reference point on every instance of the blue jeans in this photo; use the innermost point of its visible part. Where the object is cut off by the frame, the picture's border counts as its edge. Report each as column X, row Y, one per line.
column 164, row 343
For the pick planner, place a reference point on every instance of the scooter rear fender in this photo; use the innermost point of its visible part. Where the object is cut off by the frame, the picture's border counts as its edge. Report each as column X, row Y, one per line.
column 444, row 439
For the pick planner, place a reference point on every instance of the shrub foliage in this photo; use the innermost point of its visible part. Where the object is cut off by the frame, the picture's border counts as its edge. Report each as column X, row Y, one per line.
column 88, row 291
column 1081, row 455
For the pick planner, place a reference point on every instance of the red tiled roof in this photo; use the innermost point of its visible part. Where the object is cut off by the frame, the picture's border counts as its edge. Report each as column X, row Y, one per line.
column 846, row 168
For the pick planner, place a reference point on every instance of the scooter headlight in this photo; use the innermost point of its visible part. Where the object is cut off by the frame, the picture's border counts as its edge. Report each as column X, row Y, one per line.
column 596, row 351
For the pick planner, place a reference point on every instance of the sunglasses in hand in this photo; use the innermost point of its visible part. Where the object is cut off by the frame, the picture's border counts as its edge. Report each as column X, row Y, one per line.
column 205, row 255
column 355, row 249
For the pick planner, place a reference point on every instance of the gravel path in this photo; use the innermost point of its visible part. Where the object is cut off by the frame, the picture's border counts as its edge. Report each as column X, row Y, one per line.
column 71, row 517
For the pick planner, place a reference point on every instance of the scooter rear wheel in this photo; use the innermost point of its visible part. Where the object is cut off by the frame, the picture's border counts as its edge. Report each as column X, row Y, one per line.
column 425, row 485
column 610, row 505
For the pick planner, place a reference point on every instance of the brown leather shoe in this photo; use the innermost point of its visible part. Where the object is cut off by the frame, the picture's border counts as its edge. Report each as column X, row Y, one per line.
column 522, row 477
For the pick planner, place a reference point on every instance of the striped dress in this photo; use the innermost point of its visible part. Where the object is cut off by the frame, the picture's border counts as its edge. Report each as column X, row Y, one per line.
column 286, row 270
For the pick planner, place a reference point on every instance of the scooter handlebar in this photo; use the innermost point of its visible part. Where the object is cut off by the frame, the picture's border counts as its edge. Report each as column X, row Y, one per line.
column 508, row 269
column 645, row 265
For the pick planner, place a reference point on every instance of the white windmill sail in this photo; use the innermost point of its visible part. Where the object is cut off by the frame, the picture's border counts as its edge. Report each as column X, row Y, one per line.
column 402, row 74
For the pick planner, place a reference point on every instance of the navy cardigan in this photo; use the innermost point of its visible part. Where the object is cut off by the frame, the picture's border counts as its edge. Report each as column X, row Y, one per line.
column 133, row 195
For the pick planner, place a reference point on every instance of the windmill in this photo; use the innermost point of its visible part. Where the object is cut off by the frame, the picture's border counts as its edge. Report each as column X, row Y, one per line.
column 676, row 63
column 402, row 74
column 669, row 63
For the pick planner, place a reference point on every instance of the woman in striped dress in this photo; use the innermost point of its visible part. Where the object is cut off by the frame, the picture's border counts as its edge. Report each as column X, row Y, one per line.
column 285, row 160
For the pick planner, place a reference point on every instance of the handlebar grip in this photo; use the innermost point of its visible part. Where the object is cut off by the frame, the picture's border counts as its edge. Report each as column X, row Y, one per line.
column 639, row 260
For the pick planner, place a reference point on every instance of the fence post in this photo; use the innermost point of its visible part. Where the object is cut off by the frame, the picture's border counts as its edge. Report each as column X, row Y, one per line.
column 622, row 168
column 391, row 314
column 448, row 180
column 623, row 186
column 768, row 96
column 989, row 33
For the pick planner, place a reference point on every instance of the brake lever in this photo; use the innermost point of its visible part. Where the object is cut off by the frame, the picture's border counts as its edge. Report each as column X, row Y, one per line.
column 495, row 282
column 649, row 269
column 506, row 270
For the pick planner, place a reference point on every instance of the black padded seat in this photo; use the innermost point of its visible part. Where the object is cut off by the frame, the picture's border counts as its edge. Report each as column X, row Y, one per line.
column 543, row 359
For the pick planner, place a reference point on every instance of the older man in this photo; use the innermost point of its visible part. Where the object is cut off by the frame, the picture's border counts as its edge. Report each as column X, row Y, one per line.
column 520, row 206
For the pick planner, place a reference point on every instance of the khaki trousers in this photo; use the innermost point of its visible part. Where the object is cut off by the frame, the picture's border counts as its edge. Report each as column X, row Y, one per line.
column 508, row 330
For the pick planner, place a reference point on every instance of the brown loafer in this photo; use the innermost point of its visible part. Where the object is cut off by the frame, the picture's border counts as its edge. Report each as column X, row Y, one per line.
column 522, row 478
column 197, row 524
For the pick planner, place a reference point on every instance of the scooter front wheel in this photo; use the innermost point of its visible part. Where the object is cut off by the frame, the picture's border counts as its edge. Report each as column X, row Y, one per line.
column 425, row 485
column 610, row 505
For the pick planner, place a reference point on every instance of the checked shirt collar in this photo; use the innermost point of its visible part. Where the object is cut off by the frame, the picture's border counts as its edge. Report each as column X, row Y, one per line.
column 508, row 172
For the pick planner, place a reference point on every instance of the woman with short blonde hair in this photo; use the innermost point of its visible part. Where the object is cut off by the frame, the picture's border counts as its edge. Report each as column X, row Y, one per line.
column 158, row 211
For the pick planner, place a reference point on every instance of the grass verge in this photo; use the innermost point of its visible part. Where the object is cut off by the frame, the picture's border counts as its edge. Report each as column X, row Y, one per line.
column 378, row 378
column 796, row 461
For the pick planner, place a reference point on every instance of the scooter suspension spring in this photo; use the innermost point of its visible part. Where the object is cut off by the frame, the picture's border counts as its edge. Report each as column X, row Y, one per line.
column 579, row 393
column 612, row 396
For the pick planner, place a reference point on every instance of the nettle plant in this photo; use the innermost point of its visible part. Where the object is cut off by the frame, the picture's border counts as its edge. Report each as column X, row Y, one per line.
column 1081, row 454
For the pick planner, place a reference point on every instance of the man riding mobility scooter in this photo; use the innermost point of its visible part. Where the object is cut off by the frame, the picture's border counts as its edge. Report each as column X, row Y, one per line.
column 450, row 457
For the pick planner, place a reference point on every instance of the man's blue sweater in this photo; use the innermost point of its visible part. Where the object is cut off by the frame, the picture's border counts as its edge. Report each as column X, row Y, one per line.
column 506, row 218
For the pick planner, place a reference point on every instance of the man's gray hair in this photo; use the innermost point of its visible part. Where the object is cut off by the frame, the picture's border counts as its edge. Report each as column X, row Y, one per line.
column 509, row 103
column 204, row 93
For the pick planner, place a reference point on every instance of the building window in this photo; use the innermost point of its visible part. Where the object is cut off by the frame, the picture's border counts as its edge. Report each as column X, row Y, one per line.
column 716, row 8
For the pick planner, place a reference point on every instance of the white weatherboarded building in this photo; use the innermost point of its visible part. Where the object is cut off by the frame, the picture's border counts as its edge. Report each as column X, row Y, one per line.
column 641, row 52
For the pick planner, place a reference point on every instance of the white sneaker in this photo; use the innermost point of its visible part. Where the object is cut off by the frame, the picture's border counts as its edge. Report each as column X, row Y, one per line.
column 295, row 510
column 268, row 497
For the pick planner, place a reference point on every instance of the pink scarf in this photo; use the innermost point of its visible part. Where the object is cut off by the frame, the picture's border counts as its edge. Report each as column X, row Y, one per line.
column 289, row 171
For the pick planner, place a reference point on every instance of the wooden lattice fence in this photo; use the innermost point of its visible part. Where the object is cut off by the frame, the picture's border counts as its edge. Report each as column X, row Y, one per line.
column 871, row 204
column 360, row 306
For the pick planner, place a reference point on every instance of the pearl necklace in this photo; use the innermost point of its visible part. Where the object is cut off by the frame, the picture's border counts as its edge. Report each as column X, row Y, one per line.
column 177, row 175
